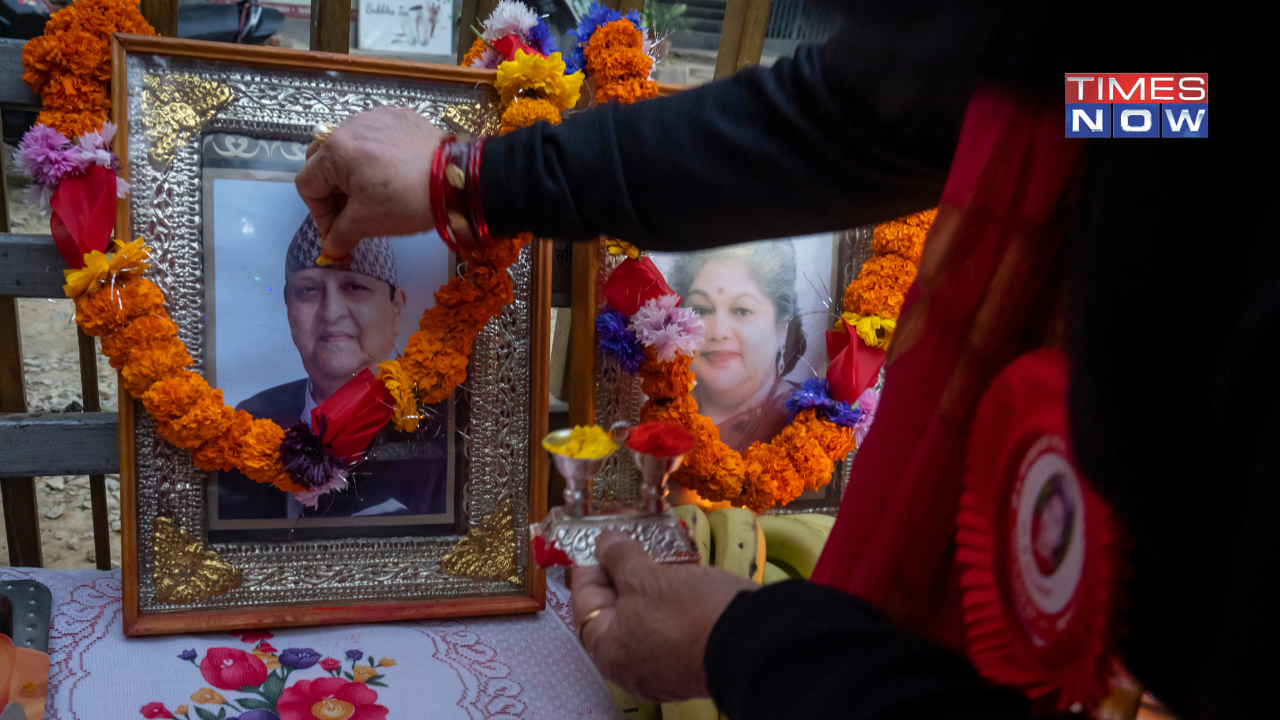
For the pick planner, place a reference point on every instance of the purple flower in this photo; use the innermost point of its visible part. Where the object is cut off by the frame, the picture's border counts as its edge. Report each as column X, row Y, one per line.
column 667, row 328
column 354, row 655
column 813, row 393
column 868, row 403
column 299, row 658
column 618, row 341
column 310, row 464
column 95, row 147
column 47, row 157
column 258, row 714
column 187, row 655
column 541, row 38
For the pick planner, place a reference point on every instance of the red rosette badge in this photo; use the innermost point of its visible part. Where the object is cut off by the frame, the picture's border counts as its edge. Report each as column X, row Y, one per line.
column 1037, row 546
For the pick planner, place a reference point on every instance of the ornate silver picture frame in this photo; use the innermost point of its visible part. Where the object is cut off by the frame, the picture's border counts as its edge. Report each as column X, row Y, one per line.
column 173, row 100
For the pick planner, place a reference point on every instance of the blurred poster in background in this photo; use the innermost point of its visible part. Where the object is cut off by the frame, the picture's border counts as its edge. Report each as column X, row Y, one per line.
column 422, row 27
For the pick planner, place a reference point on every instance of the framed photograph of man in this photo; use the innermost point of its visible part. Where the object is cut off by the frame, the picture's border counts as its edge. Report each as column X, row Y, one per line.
column 284, row 334
column 766, row 307
column 425, row 522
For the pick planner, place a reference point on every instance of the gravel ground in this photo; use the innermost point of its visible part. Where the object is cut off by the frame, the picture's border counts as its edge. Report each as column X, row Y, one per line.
column 51, row 368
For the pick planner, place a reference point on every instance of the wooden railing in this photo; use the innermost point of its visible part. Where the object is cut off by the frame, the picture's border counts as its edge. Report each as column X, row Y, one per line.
column 87, row 443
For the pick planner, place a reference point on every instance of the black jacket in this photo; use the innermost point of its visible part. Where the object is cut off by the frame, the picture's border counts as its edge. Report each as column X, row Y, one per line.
column 1174, row 311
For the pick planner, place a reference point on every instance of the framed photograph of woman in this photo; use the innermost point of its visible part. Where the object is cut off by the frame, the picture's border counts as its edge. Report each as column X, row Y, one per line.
column 426, row 521
column 766, row 307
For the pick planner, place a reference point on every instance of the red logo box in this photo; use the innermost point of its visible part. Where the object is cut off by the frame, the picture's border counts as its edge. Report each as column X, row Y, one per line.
column 1133, row 88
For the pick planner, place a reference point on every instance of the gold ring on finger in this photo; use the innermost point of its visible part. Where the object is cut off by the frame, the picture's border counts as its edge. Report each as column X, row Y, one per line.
column 582, row 625
column 321, row 132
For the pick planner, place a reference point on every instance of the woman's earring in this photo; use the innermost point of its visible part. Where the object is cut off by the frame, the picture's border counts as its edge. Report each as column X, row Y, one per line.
column 781, row 367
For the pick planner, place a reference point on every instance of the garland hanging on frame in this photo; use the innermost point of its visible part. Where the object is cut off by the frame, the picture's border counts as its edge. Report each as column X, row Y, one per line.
column 646, row 332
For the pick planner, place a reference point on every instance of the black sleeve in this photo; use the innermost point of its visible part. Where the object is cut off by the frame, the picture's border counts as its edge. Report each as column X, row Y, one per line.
column 800, row 650
column 858, row 130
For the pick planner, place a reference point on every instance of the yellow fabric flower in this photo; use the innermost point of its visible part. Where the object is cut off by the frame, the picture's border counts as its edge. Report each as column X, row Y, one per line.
column 128, row 260
column 400, row 385
column 362, row 673
column 206, row 696
column 181, row 710
column 386, row 662
column 619, row 247
column 271, row 661
column 541, row 75
column 874, row 330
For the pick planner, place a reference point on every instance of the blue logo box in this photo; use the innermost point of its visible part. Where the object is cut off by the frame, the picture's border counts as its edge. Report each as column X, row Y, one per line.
column 1137, row 120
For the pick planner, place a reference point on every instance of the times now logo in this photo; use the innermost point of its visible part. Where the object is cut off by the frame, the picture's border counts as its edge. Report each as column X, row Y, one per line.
column 1138, row 105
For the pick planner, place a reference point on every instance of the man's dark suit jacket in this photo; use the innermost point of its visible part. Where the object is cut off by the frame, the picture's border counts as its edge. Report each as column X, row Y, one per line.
column 410, row 468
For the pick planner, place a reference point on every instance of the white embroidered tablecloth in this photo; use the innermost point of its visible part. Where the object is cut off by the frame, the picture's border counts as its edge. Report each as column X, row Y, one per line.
column 524, row 666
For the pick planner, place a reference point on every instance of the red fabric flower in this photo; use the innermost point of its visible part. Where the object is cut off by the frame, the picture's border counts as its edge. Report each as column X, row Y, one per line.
column 548, row 555
column 229, row 669
column 253, row 636
column 633, row 283
column 330, row 664
column 507, row 47
column 329, row 697
column 353, row 415
column 154, row 710
column 265, row 646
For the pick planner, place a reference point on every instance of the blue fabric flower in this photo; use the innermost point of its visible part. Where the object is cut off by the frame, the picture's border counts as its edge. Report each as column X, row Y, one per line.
column 354, row 655
column 814, row 393
column 299, row 658
column 618, row 341
column 541, row 38
column 594, row 17
column 187, row 655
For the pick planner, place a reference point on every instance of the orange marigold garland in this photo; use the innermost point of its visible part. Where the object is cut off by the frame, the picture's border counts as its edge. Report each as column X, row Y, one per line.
column 69, row 66
column 822, row 430
column 872, row 302
column 616, row 59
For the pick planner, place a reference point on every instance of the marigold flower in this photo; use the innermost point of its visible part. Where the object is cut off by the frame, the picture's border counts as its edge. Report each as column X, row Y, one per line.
column 152, row 361
column 627, row 91
column 524, row 112
column 73, row 124
column 110, row 309
column 881, row 286
column 222, row 452
column 473, row 53
column 172, row 397
column 544, row 76
column 207, row 419
column 904, row 237
column 146, row 329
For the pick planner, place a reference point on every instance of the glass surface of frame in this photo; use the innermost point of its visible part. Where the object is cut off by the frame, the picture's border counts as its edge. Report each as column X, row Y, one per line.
column 211, row 136
column 767, row 306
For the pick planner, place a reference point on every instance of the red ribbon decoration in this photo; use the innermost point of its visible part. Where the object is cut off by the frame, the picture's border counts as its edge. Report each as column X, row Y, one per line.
column 84, row 214
column 508, row 45
column 853, row 366
column 634, row 283
column 353, row 415
column 547, row 555
column 1037, row 547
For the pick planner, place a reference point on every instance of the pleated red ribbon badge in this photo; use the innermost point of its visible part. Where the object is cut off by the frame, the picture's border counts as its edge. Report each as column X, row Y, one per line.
column 1038, row 548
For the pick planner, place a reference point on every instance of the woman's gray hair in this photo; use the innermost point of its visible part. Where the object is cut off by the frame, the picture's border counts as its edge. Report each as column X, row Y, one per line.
column 772, row 264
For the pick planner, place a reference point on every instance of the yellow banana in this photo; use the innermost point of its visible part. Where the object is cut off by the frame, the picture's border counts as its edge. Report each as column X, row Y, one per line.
column 826, row 522
column 699, row 530
column 738, row 542
column 695, row 709
column 774, row 574
column 631, row 708
column 795, row 542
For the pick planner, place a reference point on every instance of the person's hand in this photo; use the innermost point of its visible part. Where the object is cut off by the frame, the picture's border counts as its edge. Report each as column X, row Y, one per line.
column 369, row 178
column 650, row 636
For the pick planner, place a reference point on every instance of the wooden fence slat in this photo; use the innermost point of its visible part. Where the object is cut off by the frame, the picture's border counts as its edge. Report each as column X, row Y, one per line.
column 162, row 14
column 30, row 266
column 59, row 444
column 331, row 26
column 14, row 93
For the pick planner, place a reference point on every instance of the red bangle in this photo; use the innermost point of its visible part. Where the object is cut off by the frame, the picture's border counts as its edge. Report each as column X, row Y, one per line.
column 457, row 198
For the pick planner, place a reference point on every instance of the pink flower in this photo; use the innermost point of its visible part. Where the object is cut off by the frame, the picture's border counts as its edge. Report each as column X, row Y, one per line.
column 265, row 646
column 667, row 328
column 330, row 664
column 868, row 401
column 47, row 156
column 154, row 710
column 95, row 147
column 329, row 697
column 310, row 497
column 229, row 669
column 253, row 636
